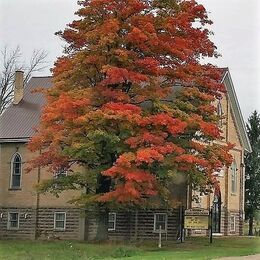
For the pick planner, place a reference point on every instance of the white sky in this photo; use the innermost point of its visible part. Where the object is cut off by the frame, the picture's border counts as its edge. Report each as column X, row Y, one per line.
column 31, row 25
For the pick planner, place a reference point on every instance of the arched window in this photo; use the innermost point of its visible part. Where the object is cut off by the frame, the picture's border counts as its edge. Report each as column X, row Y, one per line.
column 220, row 112
column 16, row 171
column 234, row 177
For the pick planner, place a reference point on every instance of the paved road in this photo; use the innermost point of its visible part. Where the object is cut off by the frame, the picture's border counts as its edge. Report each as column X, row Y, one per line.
column 250, row 257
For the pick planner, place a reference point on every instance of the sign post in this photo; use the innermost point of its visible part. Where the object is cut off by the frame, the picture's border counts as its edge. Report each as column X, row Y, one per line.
column 160, row 237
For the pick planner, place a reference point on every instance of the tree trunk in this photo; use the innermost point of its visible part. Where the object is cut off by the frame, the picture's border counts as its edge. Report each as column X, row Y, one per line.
column 103, row 186
column 102, row 224
column 251, row 221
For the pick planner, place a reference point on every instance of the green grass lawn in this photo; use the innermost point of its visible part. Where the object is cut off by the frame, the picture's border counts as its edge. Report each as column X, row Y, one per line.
column 196, row 248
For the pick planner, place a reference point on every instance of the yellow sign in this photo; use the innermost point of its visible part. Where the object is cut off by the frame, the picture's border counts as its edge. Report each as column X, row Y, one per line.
column 196, row 222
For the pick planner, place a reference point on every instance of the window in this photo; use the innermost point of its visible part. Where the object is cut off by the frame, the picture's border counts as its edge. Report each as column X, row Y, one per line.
column 59, row 220
column 16, row 170
column 160, row 219
column 13, row 220
column 232, row 223
column 220, row 113
column 111, row 221
column 234, row 177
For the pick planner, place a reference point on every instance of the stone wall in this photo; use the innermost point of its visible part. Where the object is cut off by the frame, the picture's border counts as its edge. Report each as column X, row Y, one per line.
column 27, row 224
column 39, row 224
column 139, row 225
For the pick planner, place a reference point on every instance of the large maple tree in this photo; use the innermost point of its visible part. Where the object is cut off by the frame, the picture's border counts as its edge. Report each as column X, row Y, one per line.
column 132, row 105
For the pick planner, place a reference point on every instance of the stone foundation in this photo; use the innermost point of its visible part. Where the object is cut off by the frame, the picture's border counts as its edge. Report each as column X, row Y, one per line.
column 132, row 225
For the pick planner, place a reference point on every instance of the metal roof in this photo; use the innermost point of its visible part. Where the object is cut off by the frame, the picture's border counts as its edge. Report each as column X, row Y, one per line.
column 18, row 121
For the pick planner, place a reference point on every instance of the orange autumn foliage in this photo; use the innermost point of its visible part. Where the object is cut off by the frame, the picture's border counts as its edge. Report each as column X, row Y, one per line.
column 116, row 109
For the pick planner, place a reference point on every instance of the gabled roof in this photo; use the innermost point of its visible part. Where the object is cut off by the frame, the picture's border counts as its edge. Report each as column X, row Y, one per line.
column 235, row 108
column 18, row 121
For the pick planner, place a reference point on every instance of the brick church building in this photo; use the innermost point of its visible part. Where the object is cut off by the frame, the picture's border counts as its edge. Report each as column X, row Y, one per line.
column 25, row 214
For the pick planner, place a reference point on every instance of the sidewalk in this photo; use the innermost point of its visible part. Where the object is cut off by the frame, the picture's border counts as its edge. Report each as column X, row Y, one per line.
column 250, row 257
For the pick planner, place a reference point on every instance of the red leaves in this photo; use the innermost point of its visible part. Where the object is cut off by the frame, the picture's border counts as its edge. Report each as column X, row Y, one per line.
column 136, row 36
column 157, row 138
column 173, row 125
column 149, row 64
column 125, row 159
column 121, row 112
column 63, row 64
column 210, row 129
column 148, row 155
column 122, row 107
column 115, row 75
column 130, row 174
column 65, row 107
column 132, row 7
column 113, row 95
column 156, row 153
column 190, row 159
column 137, row 182
column 197, row 146
column 129, row 192
column 111, row 25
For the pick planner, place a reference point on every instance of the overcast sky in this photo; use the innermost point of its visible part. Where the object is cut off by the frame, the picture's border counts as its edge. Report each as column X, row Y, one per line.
column 31, row 25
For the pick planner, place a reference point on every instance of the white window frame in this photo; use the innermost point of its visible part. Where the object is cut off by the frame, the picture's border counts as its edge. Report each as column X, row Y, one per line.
column 114, row 222
column 12, row 169
column 65, row 218
column 154, row 222
column 234, row 177
column 9, row 220
column 232, row 223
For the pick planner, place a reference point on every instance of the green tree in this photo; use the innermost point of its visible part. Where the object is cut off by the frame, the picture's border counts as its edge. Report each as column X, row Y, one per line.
column 252, row 160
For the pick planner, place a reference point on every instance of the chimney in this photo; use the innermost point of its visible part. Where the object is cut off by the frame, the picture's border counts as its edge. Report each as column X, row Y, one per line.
column 18, row 87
